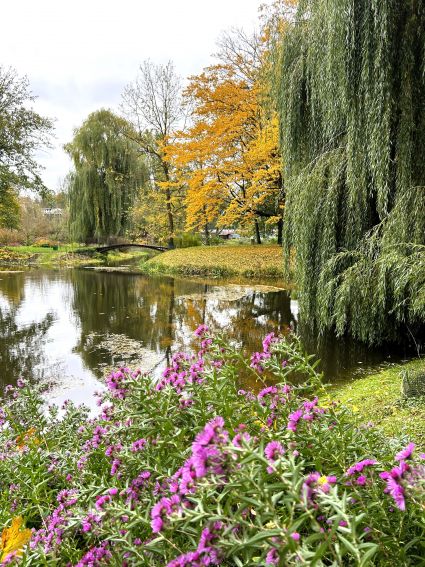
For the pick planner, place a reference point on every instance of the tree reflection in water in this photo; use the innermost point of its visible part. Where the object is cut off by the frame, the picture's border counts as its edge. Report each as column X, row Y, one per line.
column 21, row 348
column 62, row 317
column 162, row 312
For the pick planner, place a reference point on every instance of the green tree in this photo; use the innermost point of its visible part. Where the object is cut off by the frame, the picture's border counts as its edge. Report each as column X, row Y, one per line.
column 22, row 133
column 352, row 91
column 108, row 172
column 9, row 208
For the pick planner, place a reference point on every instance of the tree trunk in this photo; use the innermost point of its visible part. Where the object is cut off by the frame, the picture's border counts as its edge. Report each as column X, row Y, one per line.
column 280, row 231
column 207, row 235
column 170, row 219
column 257, row 232
column 169, row 208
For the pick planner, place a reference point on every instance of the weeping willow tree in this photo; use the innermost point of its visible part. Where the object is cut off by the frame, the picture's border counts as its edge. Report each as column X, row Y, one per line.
column 108, row 173
column 352, row 110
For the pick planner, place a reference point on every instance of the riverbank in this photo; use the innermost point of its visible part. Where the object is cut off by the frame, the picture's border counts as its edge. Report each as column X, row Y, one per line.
column 378, row 398
column 66, row 256
column 218, row 261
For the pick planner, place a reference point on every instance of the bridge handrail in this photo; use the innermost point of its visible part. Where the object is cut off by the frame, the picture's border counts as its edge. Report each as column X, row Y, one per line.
column 130, row 245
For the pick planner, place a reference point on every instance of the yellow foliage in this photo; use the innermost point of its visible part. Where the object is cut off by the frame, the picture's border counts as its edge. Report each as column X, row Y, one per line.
column 229, row 158
column 14, row 539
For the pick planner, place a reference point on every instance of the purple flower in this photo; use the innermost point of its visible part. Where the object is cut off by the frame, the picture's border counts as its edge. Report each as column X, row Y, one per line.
column 358, row 467
column 239, row 437
column 213, row 432
column 273, row 451
column 267, row 392
column 116, row 463
column 272, row 557
column 96, row 556
column 210, row 536
column 294, row 418
column 162, row 510
column 201, row 330
column 102, row 500
column 406, row 453
column 268, row 341
column 257, row 360
column 315, row 482
column 138, row 445
column 393, row 480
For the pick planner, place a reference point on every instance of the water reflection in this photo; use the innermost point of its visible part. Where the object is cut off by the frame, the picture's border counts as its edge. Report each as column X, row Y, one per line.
column 162, row 312
column 59, row 325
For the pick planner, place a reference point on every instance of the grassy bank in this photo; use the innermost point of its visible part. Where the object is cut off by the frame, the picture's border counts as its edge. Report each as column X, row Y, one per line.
column 378, row 398
column 69, row 255
column 217, row 261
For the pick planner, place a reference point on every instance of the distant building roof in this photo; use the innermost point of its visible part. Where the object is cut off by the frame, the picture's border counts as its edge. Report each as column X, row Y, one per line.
column 52, row 211
column 223, row 231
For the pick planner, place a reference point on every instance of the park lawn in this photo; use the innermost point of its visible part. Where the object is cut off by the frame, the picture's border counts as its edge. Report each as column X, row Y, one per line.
column 378, row 398
column 224, row 260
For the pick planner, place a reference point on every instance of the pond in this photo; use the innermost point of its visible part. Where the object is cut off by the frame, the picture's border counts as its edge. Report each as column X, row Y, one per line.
column 68, row 328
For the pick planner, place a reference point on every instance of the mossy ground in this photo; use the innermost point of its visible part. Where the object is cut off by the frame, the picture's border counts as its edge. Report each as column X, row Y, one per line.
column 217, row 261
column 378, row 398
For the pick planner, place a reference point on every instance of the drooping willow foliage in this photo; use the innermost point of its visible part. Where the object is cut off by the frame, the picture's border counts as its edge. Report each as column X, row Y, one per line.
column 108, row 172
column 352, row 110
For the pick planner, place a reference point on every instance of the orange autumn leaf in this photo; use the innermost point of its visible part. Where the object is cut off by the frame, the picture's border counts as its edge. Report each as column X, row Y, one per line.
column 27, row 437
column 14, row 539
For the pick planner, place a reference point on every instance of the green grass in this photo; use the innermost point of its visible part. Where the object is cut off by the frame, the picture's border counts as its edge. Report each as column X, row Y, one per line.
column 42, row 250
column 217, row 261
column 378, row 398
column 67, row 255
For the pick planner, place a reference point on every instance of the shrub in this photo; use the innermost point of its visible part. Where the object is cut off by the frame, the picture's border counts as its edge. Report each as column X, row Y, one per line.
column 9, row 236
column 44, row 243
column 187, row 239
column 194, row 470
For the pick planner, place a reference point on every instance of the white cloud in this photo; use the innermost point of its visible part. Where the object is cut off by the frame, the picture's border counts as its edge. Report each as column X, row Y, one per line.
column 79, row 55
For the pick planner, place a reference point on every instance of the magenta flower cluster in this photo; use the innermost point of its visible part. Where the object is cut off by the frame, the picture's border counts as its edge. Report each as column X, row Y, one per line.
column 258, row 358
column 307, row 412
column 208, row 458
column 206, row 553
column 127, row 454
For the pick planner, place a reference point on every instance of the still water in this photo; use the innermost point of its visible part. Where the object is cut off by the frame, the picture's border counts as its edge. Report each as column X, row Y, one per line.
column 68, row 328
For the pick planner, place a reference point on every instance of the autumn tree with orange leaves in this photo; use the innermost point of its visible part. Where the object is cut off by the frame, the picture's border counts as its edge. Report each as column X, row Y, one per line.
column 229, row 157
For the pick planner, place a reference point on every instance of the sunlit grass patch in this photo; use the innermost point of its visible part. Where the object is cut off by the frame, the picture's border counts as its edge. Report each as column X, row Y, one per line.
column 378, row 398
column 226, row 260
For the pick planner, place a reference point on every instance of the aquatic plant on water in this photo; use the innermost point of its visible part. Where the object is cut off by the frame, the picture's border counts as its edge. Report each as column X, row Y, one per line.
column 193, row 470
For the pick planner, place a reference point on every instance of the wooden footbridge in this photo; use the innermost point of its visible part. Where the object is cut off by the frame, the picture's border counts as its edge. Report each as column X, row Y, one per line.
column 102, row 249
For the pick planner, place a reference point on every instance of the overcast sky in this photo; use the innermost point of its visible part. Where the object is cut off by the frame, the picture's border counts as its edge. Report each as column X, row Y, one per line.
column 79, row 55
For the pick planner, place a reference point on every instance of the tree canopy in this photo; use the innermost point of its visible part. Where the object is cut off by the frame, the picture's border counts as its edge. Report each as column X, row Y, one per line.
column 9, row 208
column 22, row 132
column 108, row 172
column 229, row 157
column 352, row 91
column 153, row 105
